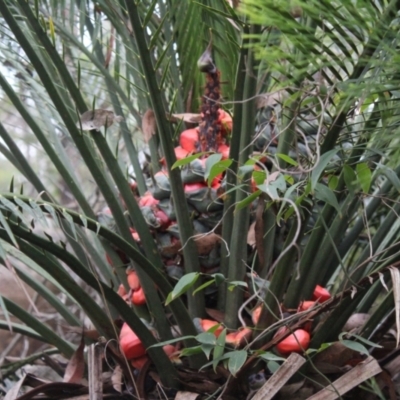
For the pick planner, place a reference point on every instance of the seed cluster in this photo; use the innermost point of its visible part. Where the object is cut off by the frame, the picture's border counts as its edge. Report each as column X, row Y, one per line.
column 210, row 126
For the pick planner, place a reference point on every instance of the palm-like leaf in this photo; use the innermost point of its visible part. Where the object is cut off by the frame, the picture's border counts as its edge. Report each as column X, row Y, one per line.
column 326, row 72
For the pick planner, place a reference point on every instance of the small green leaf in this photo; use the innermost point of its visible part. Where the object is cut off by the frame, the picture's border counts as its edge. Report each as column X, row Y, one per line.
column 325, row 194
column 215, row 360
column 272, row 186
column 350, row 179
column 248, row 200
column 289, row 195
column 234, row 284
column 259, row 177
column 273, row 366
column 206, row 338
column 207, row 349
column 333, row 182
column 269, row 356
column 361, row 339
column 288, row 159
column 186, row 160
column 219, row 348
column 289, row 179
column 236, row 361
column 52, row 31
column 320, row 167
column 183, row 285
column 218, row 168
column 203, row 286
column 244, row 170
column 189, row 351
column 218, row 278
column 214, row 328
column 364, row 176
column 210, row 162
column 355, row 346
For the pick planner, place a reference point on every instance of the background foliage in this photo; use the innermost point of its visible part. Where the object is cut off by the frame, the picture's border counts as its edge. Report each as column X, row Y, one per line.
column 312, row 88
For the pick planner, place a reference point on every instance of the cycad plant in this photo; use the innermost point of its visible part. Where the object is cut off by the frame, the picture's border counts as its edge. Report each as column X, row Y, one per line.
column 211, row 182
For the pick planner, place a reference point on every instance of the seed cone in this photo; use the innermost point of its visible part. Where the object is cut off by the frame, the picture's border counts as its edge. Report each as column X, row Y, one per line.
column 210, row 136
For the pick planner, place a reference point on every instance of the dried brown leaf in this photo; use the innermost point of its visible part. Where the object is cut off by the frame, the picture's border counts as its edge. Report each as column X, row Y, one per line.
column 190, row 118
column 116, row 379
column 171, row 250
column 251, row 235
column 110, row 48
column 92, row 334
column 270, row 99
column 337, row 355
column 215, row 314
column 186, row 396
column 76, row 365
column 205, row 243
column 149, row 125
column 355, row 322
column 95, row 119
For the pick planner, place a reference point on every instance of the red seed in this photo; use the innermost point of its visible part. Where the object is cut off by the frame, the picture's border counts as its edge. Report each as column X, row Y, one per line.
column 239, row 338
column 180, row 153
column 147, row 200
column 321, row 294
column 138, row 297
column 226, row 122
column 121, row 290
column 130, row 344
column 224, row 150
column 169, row 349
column 165, row 222
column 255, row 315
column 305, row 305
column 297, row 342
column 138, row 363
column 192, row 187
column 208, row 324
column 135, row 235
column 133, row 279
column 133, row 185
column 188, row 139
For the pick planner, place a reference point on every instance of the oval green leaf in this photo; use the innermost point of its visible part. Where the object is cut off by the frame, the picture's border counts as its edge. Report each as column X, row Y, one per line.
column 364, row 175
column 236, row 361
column 183, row 285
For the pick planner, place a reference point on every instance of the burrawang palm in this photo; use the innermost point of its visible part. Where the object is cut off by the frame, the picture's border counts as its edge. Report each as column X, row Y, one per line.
column 214, row 187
